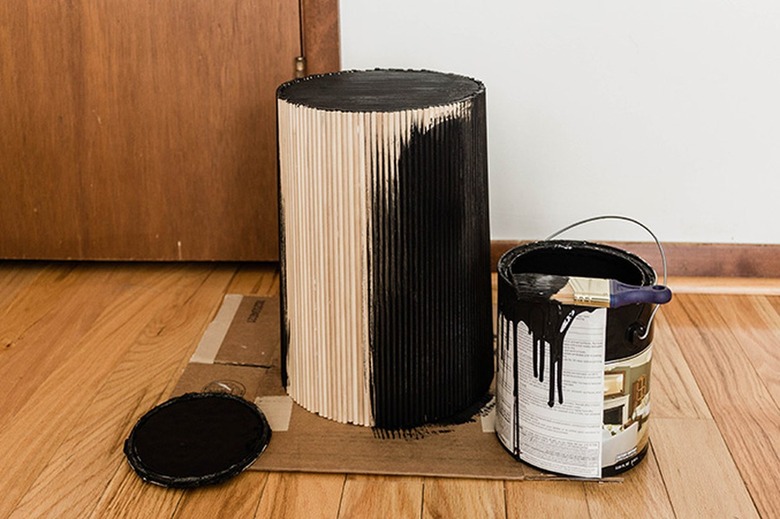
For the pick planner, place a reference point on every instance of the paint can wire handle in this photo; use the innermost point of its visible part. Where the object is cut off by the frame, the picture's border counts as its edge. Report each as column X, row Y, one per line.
column 554, row 235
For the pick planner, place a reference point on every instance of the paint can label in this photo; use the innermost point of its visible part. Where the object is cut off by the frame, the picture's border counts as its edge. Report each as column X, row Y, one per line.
column 626, row 410
column 567, row 412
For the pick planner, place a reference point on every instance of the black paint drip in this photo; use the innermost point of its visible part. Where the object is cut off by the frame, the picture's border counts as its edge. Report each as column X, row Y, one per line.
column 548, row 324
column 548, row 321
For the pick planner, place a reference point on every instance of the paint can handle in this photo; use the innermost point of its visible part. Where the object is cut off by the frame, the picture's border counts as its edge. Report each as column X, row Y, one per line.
column 641, row 332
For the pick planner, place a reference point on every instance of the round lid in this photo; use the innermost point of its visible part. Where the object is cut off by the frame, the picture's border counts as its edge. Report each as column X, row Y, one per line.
column 379, row 90
column 197, row 439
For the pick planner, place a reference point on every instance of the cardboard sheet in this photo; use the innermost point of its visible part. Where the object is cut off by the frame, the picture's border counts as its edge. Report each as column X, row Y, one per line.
column 240, row 352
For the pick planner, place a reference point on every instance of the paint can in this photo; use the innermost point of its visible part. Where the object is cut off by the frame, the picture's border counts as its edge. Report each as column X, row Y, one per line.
column 573, row 380
column 385, row 245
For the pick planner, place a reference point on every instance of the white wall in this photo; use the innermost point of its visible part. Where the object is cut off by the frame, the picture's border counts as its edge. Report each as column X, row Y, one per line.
column 667, row 111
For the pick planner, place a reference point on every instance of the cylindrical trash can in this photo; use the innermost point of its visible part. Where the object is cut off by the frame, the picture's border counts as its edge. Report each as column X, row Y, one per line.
column 573, row 381
column 385, row 245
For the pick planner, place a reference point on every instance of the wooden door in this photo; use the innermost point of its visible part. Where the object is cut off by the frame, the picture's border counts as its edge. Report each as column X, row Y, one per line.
column 145, row 129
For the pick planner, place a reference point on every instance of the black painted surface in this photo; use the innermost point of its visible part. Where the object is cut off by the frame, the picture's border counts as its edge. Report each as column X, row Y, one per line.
column 537, row 286
column 430, row 322
column 197, row 439
column 379, row 90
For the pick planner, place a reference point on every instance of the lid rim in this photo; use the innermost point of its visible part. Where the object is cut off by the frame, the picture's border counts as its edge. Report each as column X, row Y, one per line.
column 149, row 475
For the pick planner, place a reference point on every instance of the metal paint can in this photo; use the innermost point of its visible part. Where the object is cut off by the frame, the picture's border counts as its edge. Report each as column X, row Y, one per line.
column 573, row 382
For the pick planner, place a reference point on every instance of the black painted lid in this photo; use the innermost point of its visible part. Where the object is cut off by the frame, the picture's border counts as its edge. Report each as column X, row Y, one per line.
column 197, row 439
column 379, row 90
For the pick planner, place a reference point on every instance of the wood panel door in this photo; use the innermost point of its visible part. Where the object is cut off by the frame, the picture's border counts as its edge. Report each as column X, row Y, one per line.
column 146, row 129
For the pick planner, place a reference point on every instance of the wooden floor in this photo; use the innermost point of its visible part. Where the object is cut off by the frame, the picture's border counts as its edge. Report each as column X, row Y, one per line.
column 85, row 349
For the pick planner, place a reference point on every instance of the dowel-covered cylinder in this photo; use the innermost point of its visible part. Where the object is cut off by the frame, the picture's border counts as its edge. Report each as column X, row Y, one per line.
column 385, row 246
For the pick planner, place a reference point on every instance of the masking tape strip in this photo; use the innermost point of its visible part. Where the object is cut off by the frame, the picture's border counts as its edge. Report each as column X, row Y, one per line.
column 489, row 421
column 277, row 410
column 209, row 344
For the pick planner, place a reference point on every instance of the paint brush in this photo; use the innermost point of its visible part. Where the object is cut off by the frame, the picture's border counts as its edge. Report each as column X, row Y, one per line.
column 583, row 291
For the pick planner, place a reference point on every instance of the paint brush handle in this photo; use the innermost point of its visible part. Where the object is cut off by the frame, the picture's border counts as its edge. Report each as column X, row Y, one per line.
column 622, row 294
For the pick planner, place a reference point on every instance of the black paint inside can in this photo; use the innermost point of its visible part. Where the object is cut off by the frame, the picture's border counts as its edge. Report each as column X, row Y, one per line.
column 197, row 439
column 584, row 259
column 547, row 319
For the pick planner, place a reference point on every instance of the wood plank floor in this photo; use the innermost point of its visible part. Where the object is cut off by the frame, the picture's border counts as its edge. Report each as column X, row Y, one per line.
column 86, row 348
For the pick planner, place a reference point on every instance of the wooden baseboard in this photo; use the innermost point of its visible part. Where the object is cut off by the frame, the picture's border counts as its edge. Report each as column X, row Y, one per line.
column 692, row 259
